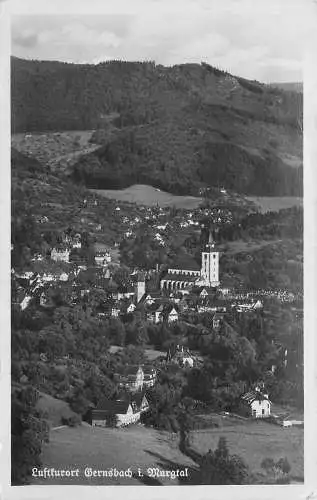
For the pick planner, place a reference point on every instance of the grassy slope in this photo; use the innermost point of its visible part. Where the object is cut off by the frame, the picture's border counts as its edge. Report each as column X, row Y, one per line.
column 275, row 203
column 255, row 441
column 138, row 446
column 55, row 408
column 147, row 195
column 105, row 448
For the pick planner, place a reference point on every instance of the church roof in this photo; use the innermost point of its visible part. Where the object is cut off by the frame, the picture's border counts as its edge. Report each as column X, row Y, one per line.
column 185, row 262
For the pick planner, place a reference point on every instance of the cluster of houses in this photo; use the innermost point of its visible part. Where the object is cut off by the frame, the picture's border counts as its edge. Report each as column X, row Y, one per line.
column 128, row 407
column 132, row 402
column 164, row 223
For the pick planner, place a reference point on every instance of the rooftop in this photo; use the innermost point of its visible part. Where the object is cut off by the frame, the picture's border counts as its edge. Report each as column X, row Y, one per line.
column 185, row 262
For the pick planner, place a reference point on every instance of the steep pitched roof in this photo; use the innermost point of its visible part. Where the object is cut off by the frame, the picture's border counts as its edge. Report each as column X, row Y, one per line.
column 185, row 262
column 250, row 397
column 113, row 406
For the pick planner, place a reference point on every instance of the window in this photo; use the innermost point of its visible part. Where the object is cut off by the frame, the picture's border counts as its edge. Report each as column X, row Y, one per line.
column 263, row 411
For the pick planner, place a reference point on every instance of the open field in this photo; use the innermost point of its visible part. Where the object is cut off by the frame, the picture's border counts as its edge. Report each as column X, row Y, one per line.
column 102, row 449
column 254, row 441
column 138, row 446
column 148, row 195
column 275, row 203
column 150, row 353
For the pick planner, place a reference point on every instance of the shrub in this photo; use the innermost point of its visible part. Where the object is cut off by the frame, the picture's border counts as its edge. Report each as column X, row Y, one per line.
column 72, row 421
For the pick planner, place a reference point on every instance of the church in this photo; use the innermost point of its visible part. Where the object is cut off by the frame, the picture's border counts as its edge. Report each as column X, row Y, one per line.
column 186, row 273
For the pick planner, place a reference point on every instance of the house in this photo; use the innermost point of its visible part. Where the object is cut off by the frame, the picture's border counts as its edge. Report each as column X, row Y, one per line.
column 131, row 378
column 76, row 244
column 131, row 308
column 126, row 292
column 170, row 314
column 141, row 402
column 60, row 254
column 102, row 258
column 115, row 312
column 103, row 415
column 151, row 298
column 217, row 320
column 150, row 376
column 126, row 409
column 255, row 404
column 180, row 356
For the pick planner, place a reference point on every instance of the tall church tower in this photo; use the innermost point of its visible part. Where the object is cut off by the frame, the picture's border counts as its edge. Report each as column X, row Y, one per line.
column 210, row 264
column 140, row 286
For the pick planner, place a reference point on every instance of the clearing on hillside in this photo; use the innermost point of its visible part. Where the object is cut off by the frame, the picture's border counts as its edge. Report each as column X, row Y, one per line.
column 275, row 203
column 148, row 195
column 59, row 150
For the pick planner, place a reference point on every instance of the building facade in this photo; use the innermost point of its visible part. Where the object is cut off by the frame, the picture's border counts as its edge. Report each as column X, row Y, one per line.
column 60, row 254
column 255, row 404
column 188, row 274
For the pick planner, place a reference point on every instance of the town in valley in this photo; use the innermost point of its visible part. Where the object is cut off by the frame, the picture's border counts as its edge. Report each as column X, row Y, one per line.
column 156, row 275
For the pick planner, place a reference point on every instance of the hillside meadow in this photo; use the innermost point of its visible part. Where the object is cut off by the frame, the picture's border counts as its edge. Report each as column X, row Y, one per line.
column 138, row 446
column 142, row 194
column 149, row 196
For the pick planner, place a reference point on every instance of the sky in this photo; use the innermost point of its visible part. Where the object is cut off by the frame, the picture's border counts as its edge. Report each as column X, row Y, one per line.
column 257, row 39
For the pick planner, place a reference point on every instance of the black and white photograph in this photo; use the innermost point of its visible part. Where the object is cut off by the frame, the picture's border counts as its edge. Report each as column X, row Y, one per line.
column 157, row 333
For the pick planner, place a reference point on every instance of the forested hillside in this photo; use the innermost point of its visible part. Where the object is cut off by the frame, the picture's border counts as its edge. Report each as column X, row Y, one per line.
column 178, row 128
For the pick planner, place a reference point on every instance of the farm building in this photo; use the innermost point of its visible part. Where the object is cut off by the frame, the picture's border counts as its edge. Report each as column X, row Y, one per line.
column 255, row 404
column 124, row 411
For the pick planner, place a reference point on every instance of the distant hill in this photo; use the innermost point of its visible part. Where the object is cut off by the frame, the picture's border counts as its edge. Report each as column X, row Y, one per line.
column 289, row 86
column 176, row 128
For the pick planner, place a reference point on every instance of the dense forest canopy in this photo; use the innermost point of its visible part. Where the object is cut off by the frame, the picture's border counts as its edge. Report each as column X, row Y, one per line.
column 178, row 128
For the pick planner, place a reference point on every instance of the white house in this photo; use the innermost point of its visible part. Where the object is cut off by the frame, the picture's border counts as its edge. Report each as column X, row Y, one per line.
column 63, row 277
column 172, row 316
column 131, row 308
column 126, row 410
column 102, row 258
column 255, row 404
column 60, row 254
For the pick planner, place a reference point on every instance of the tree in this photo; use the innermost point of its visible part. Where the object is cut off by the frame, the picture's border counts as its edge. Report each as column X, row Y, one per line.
column 267, row 464
column 29, row 429
column 284, row 465
column 219, row 467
